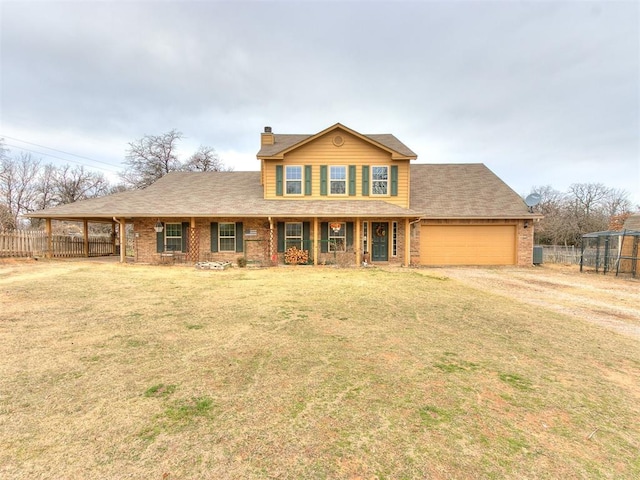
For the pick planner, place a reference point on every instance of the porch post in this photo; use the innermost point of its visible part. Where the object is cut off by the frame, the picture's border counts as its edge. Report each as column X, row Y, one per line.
column 123, row 240
column 271, row 254
column 194, row 244
column 49, row 230
column 358, row 243
column 407, row 242
column 113, row 238
column 315, row 241
column 85, row 226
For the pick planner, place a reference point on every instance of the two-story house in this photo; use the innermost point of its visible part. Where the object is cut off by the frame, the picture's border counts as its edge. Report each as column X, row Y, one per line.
column 337, row 195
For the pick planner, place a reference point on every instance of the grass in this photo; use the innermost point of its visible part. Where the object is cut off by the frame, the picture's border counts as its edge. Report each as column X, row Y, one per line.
column 114, row 371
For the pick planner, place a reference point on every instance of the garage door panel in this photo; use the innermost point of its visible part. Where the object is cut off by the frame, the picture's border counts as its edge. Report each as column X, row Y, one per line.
column 468, row 245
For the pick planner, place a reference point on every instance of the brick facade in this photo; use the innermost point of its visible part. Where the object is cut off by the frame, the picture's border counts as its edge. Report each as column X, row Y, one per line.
column 260, row 242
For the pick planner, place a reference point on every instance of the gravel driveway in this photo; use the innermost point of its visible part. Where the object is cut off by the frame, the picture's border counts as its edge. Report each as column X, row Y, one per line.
column 610, row 301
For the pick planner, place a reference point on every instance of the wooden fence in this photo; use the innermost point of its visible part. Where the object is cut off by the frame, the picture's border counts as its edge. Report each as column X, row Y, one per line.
column 24, row 243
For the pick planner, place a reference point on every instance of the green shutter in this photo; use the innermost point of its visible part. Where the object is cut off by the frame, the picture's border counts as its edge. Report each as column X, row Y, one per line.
column 160, row 241
column 352, row 180
column 279, row 180
column 239, row 237
column 214, row 236
column 307, row 179
column 323, row 179
column 394, row 180
column 349, row 234
column 365, row 180
column 280, row 237
column 306, row 236
column 185, row 237
column 324, row 237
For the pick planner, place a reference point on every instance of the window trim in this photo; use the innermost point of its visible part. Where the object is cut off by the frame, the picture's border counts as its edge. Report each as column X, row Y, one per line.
column 226, row 237
column 299, row 240
column 299, row 181
column 331, row 236
column 344, row 181
column 167, row 237
column 386, row 181
column 394, row 239
column 365, row 236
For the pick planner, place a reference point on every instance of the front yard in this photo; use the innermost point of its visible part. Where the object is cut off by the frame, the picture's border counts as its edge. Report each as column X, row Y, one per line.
column 128, row 371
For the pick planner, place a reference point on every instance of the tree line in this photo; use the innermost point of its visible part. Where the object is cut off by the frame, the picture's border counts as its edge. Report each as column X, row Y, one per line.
column 27, row 184
column 583, row 208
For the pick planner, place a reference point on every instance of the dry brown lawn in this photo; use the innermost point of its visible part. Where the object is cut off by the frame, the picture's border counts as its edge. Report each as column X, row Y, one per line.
column 126, row 371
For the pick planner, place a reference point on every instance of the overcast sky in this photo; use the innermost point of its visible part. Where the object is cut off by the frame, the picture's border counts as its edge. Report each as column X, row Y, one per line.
column 542, row 92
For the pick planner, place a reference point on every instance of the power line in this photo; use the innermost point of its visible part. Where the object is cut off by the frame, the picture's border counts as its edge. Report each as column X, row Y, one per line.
column 63, row 159
column 54, row 149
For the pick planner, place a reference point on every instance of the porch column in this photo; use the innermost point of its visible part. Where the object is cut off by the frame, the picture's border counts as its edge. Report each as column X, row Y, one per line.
column 85, row 226
column 48, row 231
column 271, row 255
column 358, row 243
column 315, row 241
column 113, row 238
column 194, row 241
column 407, row 242
column 123, row 240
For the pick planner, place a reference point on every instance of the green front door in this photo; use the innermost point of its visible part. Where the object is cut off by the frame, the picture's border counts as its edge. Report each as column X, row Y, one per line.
column 379, row 241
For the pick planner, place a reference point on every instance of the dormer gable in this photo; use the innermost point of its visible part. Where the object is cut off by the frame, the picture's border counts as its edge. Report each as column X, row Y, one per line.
column 277, row 146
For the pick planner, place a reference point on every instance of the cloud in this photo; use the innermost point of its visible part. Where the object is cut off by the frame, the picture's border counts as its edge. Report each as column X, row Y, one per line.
column 542, row 92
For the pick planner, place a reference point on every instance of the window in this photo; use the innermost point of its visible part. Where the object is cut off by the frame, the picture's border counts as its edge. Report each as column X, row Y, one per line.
column 293, row 235
column 338, row 180
column 394, row 239
column 293, row 180
column 365, row 236
column 227, row 237
column 173, row 237
column 337, row 237
column 379, row 180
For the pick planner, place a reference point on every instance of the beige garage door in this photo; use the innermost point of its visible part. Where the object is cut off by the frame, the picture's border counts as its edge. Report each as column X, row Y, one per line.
column 468, row 245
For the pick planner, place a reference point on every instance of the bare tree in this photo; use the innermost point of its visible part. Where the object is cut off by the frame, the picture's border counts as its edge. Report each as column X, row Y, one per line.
column 584, row 208
column 204, row 160
column 550, row 229
column 150, row 158
column 17, row 187
column 45, row 187
column 73, row 184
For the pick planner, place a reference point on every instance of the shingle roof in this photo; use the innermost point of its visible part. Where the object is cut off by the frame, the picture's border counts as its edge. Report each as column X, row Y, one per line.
column 633, row 222
column 437, row 191
column 283, row 142
column 463, row 191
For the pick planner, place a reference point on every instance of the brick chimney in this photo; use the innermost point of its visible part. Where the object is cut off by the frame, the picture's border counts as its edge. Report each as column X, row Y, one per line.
column 267, row 138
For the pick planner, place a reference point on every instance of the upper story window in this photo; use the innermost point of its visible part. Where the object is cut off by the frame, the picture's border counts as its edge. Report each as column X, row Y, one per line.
column 379, row 180
column 173, row 237
column 227, row 237
column 293, row 180
column 337, row 180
